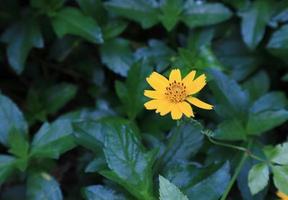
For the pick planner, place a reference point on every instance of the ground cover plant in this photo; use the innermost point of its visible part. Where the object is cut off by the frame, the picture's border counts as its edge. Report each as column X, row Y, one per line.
column 143, row 99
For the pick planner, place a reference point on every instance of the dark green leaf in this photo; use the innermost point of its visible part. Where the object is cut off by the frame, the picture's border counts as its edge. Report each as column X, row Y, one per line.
column 265, row 121
column 18, row 144
column 231, row 129
column 72, row 21
column 254, row 21
column 278, row 44
column 168, row 191
column 280, row 177
column 216, row 184
column 142, row 11
column 113, row 29
column 7, row 165
column 130, row 166
column 278, row 154
column 21, row 38
column 203, row 14
column 229, row 95
column 47, row 5
column 93, row 8
column 53, row 139
column 117, row 55
column 11, row 118
column 43, row 186
column 170, row 13
column 99, row 192
column 131, row 92
column 184, row 142
column 258, row 177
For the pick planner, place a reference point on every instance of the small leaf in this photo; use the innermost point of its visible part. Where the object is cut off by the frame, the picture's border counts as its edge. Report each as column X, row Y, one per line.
column 168, row 191
column 99, row 192
column 7, row 165
column 280, row 177
column 114, row 28
column 258, row 177
column 117, row 55
column 47, row 6
column 21, row 38
column 11, row 118
column 53, row 139
column 204, row 14
column 43, row 186
column 143, row 11
column 72, row 21
column 254, row 21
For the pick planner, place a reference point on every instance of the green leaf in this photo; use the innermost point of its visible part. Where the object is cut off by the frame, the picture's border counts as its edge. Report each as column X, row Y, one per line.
column 184, row 142
column 278, row 154
column 258, row 177
column 254, row 21
column 278, row 44
column 232, row 100
column 144, row 12
column 89, row 134
column 43, row 186
column 94, row 8
column 157, row 54
column 265, row 121
column 53, row 139
column 269, row 101
column 114, row 28
column 216, row 184
column 131, row 92
column 47, row 6
column 18, row 144
column 170, row 13
column 280, row 178
column 130, row 166
column 11, row 118
column 168, row 191
column 99, row 192
column 72, row 21
column 7, row 165
column 21, row 38
column 204, row 14
column 257, row 85
column 117, row 55
column 231, row 129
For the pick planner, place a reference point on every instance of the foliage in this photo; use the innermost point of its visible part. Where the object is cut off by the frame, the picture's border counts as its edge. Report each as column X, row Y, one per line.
column 72, row 118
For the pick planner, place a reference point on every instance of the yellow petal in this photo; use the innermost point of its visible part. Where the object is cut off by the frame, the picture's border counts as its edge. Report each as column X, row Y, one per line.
column 188, row 80
column 176, row 112
column 196, row 85
column 175, row 75
column 186, row 109
column 197, row 102
column 153, row 104
column 282, row 195
column 164, row 108
column 154, row 94
column 157, row 81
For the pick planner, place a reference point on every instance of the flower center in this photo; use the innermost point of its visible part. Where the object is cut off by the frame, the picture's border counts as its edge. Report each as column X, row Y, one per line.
column 176, row 92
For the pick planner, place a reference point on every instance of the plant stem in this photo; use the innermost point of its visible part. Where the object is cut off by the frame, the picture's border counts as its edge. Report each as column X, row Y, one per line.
column 236, row 173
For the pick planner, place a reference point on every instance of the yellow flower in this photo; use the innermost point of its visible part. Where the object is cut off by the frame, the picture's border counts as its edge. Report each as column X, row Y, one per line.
column 282, row 195
column 175, row 94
